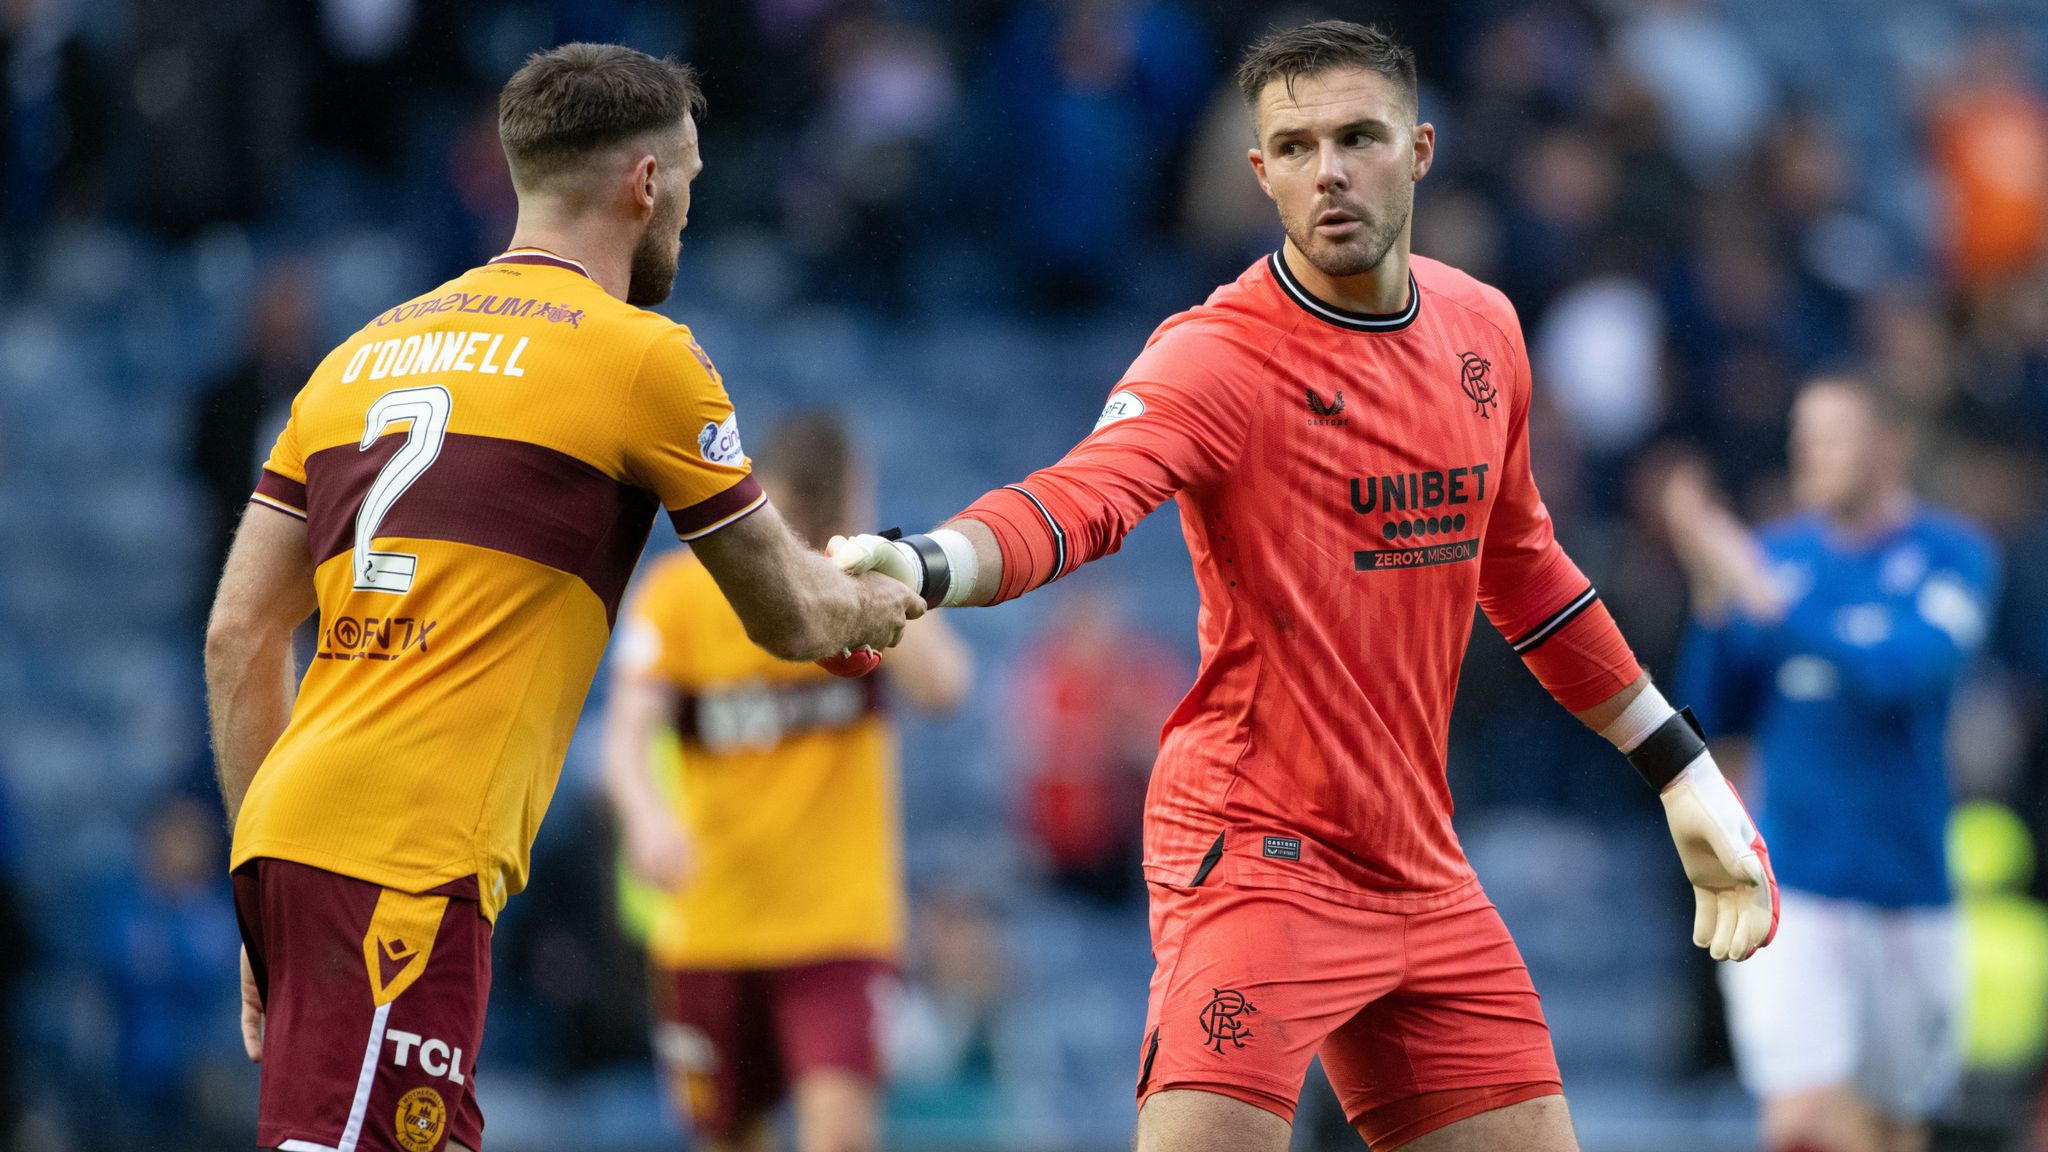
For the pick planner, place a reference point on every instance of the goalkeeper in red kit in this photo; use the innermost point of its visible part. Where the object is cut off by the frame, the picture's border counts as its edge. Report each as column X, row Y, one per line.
column 1345, row 429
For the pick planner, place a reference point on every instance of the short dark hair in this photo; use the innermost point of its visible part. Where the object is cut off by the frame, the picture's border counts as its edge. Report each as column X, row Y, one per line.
column 1324, row 46
column 1885, row 406
column 567, row 102
column 810, row 455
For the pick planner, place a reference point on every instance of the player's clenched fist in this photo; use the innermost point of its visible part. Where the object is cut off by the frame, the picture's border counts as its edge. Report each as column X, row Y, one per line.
column 887, row 606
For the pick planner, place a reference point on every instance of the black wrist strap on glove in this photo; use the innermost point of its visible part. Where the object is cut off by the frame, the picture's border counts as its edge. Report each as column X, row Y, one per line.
column 1663, row 754
column 935, row 572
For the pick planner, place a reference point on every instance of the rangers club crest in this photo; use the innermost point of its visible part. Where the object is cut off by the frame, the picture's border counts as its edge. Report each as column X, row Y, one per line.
column 1223, row 1018
column 1478, row 389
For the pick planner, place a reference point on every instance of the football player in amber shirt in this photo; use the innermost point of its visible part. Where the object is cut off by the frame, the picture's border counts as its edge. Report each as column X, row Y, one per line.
column 1345, row 430
column 461, row 492
column 777, row 838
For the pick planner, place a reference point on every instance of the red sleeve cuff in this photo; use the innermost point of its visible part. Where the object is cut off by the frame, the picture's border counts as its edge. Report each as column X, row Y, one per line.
column 1032, row 542
column 280, row 492
column 1578, row 654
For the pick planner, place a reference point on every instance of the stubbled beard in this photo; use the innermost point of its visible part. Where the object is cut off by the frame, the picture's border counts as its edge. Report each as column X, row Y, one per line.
column 1361, row 253
column 654, row 269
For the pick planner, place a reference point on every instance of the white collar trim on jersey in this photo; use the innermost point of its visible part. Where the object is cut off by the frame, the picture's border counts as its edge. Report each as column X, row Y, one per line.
column 1355, row 321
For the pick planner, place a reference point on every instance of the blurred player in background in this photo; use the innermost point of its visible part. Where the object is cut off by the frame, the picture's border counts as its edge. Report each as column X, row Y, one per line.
column 462, row 491
column 1836, row 639
column 777, row 839
column 1345, row 429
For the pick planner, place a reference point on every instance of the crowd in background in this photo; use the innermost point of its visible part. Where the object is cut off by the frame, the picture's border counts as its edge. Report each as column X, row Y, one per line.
column 1693, row 204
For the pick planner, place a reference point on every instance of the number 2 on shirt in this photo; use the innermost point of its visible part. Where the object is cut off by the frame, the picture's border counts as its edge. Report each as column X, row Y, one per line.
column 427, row 408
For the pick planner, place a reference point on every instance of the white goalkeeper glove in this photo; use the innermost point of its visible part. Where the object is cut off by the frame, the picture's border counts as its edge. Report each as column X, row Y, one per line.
column 939, row 566
column 871, row 553
column 1735, row 896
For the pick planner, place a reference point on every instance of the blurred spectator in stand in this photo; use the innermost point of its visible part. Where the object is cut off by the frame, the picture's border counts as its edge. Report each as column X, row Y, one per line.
column 1521, row 73
column 867, row 173
column 241, row 412
column 1655, row 189
column 941, row 1040
column 1910, row 347
column 1459, row 226
column 2005, row 946
column 359, row 81
column 1225, row 219
column 1090, row 700
column 59, row 119
column 1560, row 215
column 1094, row 102
column 1599, row 352
column 479, row 204
column 1726, row 307
column 1988, row 134
column 171, row 958
column 2006, row 374
column 17, row 954
column 1832, row 253
column 568, row 988
column 1714, row 90
column 220, row 88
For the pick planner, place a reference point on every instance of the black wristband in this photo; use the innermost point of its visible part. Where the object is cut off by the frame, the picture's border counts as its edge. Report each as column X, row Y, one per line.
column 938, row 571
column 935, row 572
column 1663, row 754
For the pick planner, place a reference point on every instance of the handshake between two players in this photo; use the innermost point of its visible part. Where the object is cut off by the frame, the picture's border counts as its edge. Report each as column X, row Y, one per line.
column 1725, row 859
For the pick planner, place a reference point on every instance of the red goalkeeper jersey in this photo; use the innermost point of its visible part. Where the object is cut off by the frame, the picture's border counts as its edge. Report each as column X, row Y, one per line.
column 1350, row 486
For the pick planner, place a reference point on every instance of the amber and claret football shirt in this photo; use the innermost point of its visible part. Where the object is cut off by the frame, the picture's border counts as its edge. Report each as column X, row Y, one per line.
column 786, row 791
column 1350, row 486
column 478, row 469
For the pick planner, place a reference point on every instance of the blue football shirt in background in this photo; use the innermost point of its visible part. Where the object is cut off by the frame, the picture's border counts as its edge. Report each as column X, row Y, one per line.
column 1847, row 700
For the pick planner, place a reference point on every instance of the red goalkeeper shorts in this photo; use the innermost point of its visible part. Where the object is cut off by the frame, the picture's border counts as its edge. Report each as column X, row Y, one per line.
column 1422, row 1019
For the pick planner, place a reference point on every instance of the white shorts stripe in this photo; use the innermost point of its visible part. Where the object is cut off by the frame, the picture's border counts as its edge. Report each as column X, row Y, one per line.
column 364, row 1079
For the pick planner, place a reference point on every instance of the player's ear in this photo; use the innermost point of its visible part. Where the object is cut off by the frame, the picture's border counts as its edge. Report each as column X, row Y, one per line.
column 1425, row 149
column 641, row 185
column 1258, row 159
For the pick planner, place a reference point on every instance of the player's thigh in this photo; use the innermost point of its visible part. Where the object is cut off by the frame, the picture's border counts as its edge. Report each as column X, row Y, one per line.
column 1463, row 1035
column 374, row 1010
column 1831, row 1119
column 828, row 1027
column 1793, row 1014
column 1248, row 982
column 1901, row 1136
column 1192, row 1120
column 835, row 1112
column 1541, row 1124
column 714, row 1036
column 1909, row 986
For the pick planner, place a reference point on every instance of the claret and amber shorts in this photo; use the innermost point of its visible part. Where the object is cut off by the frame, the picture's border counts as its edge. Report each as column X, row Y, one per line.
column 1421, row 1019
column 373, row 1009
column 734, row 1042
